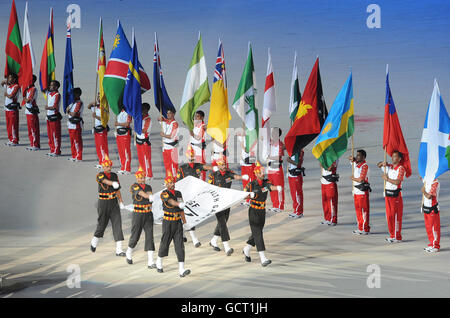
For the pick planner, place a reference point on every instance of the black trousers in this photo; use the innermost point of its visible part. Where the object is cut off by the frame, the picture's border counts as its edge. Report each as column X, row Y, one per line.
column 139, row 222
column 109, row 210
column 257, row 219
column 221, row 227
column 172, row 230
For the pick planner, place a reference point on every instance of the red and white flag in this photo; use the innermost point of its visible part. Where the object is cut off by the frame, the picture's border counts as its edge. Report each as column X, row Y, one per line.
column 28, row 61
column 269, row 105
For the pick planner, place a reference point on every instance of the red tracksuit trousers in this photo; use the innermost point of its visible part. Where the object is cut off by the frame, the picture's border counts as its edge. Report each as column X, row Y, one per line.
column 277, row 179
column 330, row 202
column 144, row 153
column 76, row 142
column 394, row 214
column 54, row 136
column 433, row 227
column 362, row 208
column 33, row 130
column 101, row 145
column 12, row 125
column 124, row 148
column 296, row 187
column 170, row 158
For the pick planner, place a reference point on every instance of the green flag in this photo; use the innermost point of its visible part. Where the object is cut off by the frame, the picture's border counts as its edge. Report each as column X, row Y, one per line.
column 196, row 89
column 13, row 48
column 244, row 102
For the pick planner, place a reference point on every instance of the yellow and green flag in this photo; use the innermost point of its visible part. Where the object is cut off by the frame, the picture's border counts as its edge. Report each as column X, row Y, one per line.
column 101, row 68
column 337, row 128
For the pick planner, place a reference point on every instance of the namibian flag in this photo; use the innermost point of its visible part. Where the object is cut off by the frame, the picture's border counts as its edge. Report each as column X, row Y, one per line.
column 337, row 128
column 48, row 64
column 117, row 69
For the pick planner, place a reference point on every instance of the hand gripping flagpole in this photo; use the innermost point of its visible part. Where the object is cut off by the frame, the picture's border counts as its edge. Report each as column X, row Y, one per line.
column 96, row 75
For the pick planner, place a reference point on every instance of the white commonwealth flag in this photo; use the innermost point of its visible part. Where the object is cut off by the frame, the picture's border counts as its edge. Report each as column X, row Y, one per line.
column 202, row 200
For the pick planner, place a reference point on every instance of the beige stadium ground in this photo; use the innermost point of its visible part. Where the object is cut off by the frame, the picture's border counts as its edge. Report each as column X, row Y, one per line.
column 48, row 217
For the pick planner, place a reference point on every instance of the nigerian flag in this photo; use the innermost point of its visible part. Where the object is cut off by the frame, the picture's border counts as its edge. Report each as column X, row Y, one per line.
column 196, row 89
column 244, row 102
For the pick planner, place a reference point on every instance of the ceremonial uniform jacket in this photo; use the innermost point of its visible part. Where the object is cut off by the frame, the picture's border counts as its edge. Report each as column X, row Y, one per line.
column 261, row 190
column 222, row 180
column 171, row 212
column 141, row 204
column 187, row 170
column 11, row 90
column 107, row 192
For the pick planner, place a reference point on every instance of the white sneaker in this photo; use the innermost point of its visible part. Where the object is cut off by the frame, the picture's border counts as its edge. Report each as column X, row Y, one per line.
column 325, row 222
column 390, row 240
column 332, row 224
column 357, row 232
column 48, row 154
column 295, row 215
column 432, row 250
column 427, row 248
column 71, row 159
column 364, row 233
column 29, row 148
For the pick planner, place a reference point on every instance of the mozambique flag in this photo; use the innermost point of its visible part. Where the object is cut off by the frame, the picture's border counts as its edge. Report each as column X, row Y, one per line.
column 101, row 68
column 310, row 116
column 338, row 127
column 13, row 47
column 48, row 64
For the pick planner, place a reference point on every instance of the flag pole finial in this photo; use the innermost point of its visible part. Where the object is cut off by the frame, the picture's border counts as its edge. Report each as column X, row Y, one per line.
column 387, row 69
column 199, row 34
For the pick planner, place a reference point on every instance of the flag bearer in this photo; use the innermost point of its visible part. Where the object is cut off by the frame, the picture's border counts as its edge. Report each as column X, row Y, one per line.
column 100, row 132
column 223, row 178
column 12, row 109
column 123, row 138
column 54, row 119
column 170, row 141
column 361, row 189
column 74, row 125
column 142, row 218
column 295, row 177
column 247, row 163
column 109, row 205
column 32, row 111
column 198, row 139
column 143, row 145
column 430, row 209
column 329, row 181
column 172, row 226
column 258, row 189
column 275, row 169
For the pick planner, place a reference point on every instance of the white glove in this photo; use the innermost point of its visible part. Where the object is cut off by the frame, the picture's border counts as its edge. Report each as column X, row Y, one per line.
column 121, row 205
column 245, row 177
column 115, row 185
column 215, row 168
column 252, row 195
column 186, row 227
column 279, row 188
column 150, row 197
column 181, row 206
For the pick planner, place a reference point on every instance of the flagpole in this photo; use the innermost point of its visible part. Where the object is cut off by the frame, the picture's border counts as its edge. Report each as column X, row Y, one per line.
column 96, row 76
column 159, row 93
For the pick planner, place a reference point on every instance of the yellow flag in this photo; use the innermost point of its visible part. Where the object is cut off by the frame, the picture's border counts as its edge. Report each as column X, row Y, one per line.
column 101, row 68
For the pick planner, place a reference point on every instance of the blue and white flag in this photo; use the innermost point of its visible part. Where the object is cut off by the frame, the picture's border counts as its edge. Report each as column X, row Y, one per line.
column 435, row 139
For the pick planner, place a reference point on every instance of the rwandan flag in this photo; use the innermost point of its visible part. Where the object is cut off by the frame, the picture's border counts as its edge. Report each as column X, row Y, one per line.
column 337, row 128
column 48, row 64
column 132, row 101
column 68, row 72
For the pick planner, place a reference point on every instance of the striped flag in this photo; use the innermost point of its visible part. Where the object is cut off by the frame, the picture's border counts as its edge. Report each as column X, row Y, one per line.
column 28, row 60
column 101, row 69
column 295, row 96
column 196, row 89
column 48, row 64
column 13, row 48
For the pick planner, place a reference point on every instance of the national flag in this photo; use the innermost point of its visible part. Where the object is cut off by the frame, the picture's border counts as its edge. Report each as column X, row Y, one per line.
column 101, row 68
column 435, row 144
column 196, row 89
column 219, row 113
column 162, row 100
column 132, row 101
column 244, row 102
column 68, row 97
column 337, row 128
column 269, row 104
column 392, row 133
column 295, row 96
column 117, row 70
column 28, row 60
column 13, row 48
column 310, row 116
column 48, row 64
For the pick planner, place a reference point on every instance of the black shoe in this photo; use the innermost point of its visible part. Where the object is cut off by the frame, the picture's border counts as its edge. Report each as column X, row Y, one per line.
column 184, row 239
column 121, row 254
column 152, row 266
column 185, row 273
column 216, row 248
column 266, row 263
column 93, row 249
column 159, row 270
column 129, row 261
column 197, row 244
column 230, row 251
column 247, row 258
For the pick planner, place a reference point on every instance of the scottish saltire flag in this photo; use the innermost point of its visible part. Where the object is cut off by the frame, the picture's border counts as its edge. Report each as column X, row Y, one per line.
column 48, row 64
column 68, row 72
column 132, row 101
column 337, row 128
column 162, row 100
column 116, row 71
column 219, row 113
column 435, row 141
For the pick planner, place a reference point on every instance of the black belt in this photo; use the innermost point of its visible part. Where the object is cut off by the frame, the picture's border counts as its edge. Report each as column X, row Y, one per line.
column 173, row 143
column 33, row 110
column 13, row 106
column 140, row 141
column 392, row 193
column 54, row 117
column 428, row 209
column 123, row 131
column 202, row 145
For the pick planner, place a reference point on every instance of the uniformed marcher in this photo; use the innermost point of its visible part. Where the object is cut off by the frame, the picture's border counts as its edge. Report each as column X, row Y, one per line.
column 195, row 169
column 109, row 205
column 223, row 177
column 258, row 189
column 142, row 218
column 172, row 225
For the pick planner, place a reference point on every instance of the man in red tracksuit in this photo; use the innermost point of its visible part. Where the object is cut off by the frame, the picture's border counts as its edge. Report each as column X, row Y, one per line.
column 275, row 169
column 143, row 145
column 170, row 141
column 12, row 109
column 430, row 209
column 393, row 174
column 198, row 139
column 32, row 111
column 330, row 194
column 123, row 138
column 295, row 177
column 100, row 132
column 75, row 111
column 361, row 188
column 54, row 119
